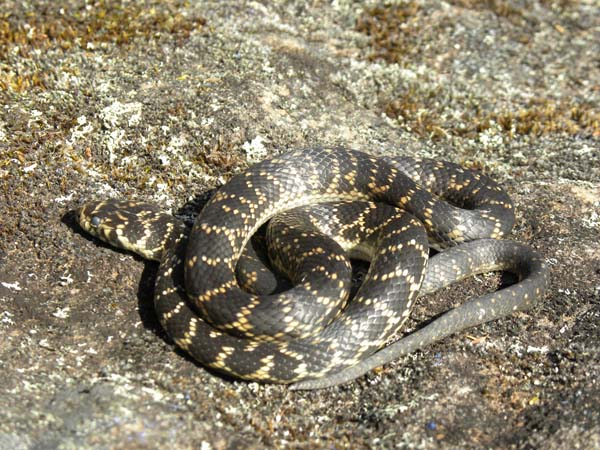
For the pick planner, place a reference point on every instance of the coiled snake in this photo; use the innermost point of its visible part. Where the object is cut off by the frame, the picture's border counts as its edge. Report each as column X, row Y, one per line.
column 310, row 335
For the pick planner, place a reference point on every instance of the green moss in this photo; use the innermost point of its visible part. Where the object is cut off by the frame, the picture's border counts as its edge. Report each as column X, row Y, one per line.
column 417, row 112
column 392, row 30
column 510, row 10
column 106, row 21
column 538, row 118
column 222, row 156
column 543, row 117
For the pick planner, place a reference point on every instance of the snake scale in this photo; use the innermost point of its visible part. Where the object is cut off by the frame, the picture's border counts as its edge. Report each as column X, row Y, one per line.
column 387, row 210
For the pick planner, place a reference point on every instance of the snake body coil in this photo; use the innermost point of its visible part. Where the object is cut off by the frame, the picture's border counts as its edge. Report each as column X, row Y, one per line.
column 301, row 334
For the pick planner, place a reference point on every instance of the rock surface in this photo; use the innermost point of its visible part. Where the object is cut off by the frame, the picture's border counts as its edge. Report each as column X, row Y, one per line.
column 161, row 101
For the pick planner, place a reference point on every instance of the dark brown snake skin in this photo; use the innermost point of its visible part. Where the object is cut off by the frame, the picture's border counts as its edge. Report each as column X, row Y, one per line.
column 301, row 334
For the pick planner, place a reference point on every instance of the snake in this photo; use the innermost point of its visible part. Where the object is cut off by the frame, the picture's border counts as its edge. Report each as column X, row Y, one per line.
column 388, row 210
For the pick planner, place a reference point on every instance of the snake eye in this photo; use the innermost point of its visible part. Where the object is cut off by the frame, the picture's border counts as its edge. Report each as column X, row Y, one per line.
column 95, row 221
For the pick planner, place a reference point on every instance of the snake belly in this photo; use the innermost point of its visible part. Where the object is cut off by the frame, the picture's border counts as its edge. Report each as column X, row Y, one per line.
column 206, row 313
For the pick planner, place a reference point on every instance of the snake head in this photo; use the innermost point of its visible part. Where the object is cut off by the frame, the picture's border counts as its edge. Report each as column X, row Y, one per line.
column 139, row 227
